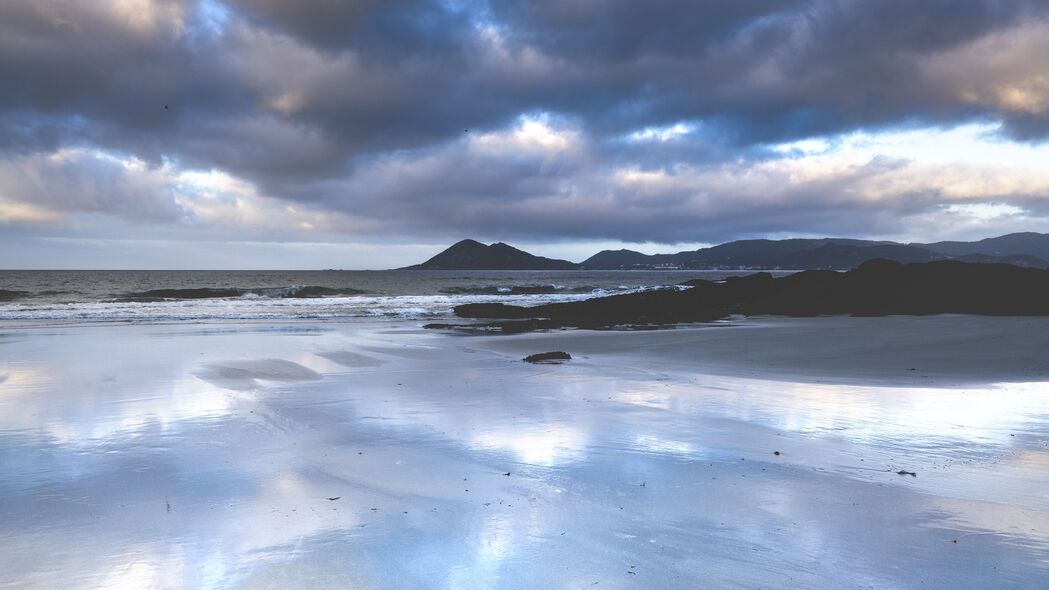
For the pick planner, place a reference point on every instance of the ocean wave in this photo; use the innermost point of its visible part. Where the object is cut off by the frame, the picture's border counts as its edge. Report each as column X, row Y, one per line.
column 6, row 295
column 265, row 308
column 516, row 290
column 56, row 292
column 300, row 292
column 270, row 304
column 289, row 292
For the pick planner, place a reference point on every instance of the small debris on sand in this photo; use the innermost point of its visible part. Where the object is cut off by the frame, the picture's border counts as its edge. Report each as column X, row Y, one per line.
column 555, row 357
column 904, row 472
column 334, row 498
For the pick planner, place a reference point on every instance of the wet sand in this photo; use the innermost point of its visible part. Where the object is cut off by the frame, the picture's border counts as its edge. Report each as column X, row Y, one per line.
column 379, row 455
column 941, row 351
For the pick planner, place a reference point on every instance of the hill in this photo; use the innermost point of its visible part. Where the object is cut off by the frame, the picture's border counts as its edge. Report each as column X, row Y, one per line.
column 1031, row 250
column 473, row 255
column 1026, row 243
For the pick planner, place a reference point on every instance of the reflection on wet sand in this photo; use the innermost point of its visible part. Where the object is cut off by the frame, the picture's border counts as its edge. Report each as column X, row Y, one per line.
column 209, row 458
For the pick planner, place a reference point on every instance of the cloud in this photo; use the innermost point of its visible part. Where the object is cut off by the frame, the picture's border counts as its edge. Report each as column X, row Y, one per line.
column 540, row 179
column 534, row 120
column 65, row 185
column 76, row 181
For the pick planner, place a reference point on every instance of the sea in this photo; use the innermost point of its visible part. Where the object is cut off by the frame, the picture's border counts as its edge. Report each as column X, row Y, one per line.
column 161, row 296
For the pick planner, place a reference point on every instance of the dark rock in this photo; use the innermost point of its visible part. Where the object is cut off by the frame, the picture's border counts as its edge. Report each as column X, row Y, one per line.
column 548, row 357
column 875, row 288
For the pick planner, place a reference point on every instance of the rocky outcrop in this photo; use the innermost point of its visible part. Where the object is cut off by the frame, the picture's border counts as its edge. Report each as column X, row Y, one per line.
column 877, row 287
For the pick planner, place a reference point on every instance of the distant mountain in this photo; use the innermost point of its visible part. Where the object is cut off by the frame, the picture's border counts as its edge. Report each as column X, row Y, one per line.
column 1024, row 260
column 820, row 253
column 846, row 256
column 1022, row 249
column 473, row 255
column 787, row 254
column 617, row 259
column 1030, row 250
column 1027, row 243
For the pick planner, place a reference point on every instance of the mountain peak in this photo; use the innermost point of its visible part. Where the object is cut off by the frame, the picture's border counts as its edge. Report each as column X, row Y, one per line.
column 466, row 244
column 473, row 255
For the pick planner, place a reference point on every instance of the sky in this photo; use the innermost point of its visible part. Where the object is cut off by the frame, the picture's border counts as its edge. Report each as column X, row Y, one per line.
column 373, row 133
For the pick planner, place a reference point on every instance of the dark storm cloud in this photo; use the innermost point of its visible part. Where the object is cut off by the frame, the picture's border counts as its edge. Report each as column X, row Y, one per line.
column 369, row 107
column 768, row 70
column 78, row 59
column 382, row 29
column 538, row 196
column 621, row 30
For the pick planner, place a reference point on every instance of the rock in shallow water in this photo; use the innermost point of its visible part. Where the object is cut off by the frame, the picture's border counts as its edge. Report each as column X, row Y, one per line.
column 548, row 357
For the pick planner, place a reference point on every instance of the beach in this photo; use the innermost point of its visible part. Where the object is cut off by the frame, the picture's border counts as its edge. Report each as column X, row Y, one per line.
column 899, row 452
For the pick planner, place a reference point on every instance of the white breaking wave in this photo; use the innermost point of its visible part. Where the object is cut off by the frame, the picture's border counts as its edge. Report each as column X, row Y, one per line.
column 262, row 307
